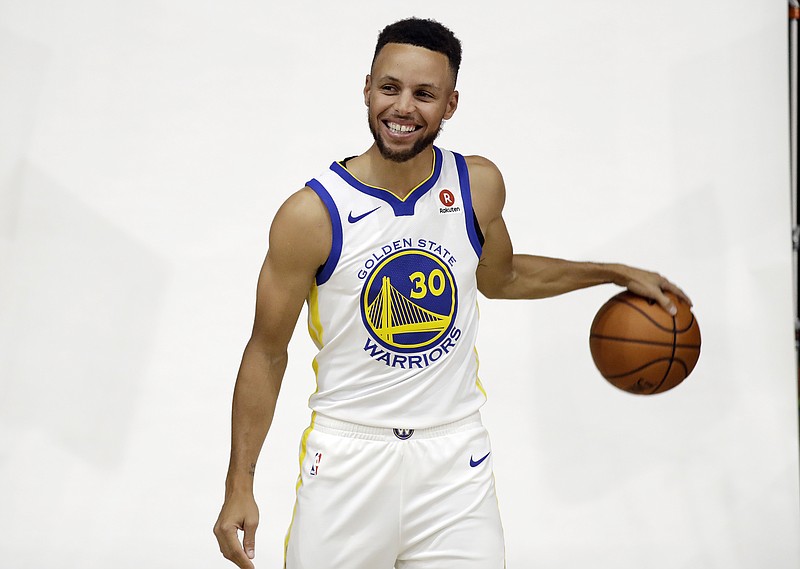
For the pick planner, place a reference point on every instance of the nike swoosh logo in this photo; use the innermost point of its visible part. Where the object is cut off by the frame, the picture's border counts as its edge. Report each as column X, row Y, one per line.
column 352, row 219
column 473, row 463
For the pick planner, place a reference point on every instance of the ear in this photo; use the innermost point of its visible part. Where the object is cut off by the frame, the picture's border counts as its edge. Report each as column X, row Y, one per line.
column 367, row 85
column 452, row 105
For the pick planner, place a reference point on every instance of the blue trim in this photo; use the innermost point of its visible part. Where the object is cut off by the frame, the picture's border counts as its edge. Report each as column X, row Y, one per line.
column 400, row 207
column 326, row 270
column 466, row 198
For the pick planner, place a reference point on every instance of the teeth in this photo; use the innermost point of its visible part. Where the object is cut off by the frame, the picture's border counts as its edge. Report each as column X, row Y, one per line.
column 400, row 128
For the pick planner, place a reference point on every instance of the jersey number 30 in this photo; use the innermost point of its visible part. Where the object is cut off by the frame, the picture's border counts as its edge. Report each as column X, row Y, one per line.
column 436, row 284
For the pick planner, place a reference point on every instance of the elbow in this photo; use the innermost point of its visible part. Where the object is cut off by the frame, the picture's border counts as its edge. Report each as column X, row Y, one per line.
column 271, row 353
column 491, row 293
column 495, row 290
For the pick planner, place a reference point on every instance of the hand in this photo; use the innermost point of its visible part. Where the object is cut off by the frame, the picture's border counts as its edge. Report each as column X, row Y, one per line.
column 239, row 512
column 651, row 285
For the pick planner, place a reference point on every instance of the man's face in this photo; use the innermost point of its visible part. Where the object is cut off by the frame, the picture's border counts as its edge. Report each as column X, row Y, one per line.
column 408, row 93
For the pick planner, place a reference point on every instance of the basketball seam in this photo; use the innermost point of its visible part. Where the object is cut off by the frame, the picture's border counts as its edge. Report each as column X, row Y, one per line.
column 640, row 368
column 671, row 357
column 643, row 313
column 648, row 342
column 689, row 327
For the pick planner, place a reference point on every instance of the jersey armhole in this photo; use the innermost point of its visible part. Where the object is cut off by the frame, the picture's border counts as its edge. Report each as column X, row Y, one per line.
column 326, row 270
column 473, row 228
column 478, row 231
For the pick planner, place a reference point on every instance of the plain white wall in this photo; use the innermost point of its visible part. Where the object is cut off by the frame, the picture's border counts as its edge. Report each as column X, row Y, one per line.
column 144, row 148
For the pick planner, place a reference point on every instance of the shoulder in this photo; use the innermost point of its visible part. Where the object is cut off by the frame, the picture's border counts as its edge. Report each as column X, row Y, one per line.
column 488, row 187
column 480, row 162
column 302, row 226
column 482, row 167
column 304, row 207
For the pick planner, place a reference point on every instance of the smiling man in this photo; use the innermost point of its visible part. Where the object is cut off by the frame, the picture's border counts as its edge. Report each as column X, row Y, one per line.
column 389, row 250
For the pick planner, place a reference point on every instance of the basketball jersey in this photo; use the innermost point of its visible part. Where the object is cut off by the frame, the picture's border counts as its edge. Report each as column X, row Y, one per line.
column 394, row 310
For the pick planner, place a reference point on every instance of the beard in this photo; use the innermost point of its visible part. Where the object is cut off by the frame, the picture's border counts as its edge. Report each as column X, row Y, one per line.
column 403, row 155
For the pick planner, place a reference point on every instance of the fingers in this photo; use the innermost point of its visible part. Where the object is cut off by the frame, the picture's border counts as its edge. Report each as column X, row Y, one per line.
column 676, row 290
column 654, row 286
column 666, row 302
column 228, row 539
column 249, row 541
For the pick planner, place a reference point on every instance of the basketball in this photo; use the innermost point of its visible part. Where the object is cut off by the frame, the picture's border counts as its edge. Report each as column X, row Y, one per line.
column 638, row 347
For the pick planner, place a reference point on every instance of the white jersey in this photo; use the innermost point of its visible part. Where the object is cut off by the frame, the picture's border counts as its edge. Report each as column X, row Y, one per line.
column 394, row 310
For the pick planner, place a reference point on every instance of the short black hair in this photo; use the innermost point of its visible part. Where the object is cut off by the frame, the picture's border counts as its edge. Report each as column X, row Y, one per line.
column 429, row 34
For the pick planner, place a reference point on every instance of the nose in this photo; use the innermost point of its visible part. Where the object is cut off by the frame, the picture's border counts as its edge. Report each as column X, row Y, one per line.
column 404, row 103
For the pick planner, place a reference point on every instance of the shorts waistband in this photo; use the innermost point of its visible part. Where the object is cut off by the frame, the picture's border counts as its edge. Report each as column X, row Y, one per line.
column 333, row 426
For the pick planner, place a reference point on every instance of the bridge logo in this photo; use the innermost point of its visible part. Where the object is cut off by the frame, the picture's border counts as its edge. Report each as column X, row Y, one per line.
column 409, row 301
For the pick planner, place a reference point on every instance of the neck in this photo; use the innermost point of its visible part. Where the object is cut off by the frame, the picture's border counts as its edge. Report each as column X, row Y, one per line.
column 397, row 177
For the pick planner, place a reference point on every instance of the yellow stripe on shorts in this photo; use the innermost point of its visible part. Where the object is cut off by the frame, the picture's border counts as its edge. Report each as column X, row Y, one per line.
column 303, row 451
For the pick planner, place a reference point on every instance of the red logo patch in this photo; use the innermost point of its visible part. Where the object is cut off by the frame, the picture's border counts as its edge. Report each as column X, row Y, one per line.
column 447, row 198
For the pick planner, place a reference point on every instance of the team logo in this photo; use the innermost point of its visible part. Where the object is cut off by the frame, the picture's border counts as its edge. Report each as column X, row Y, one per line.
column 409, row 301
column 403, row 434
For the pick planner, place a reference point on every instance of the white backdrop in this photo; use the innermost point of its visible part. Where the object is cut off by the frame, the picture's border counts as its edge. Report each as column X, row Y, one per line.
column 145, row 146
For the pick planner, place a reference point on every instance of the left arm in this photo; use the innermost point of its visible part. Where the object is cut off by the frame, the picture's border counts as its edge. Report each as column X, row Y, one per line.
column 504, row 274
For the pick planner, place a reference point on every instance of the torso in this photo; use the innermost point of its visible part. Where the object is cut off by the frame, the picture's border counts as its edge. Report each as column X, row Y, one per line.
column 394, row 308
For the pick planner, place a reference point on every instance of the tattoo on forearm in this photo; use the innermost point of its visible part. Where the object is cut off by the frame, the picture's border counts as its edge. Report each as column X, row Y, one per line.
column 253, row 469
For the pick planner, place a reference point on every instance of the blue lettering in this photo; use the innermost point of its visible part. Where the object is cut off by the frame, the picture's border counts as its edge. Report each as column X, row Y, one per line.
column 412, row 361
column 372, row 348
column 406, row 243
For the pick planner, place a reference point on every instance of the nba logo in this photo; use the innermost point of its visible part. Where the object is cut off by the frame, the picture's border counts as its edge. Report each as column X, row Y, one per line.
column 315, row 466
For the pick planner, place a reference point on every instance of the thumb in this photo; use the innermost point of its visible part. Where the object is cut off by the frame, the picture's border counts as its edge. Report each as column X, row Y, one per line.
column 249, row 541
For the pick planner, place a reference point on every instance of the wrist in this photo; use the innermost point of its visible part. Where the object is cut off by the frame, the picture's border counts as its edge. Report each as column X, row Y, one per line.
column 616, row 273
column 238, row 482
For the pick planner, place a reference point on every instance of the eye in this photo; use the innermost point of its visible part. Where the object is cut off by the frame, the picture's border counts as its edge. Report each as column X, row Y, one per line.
column 388, row 88
column 424, row 95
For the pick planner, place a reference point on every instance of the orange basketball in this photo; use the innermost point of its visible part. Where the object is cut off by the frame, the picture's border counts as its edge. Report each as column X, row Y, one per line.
column 640, row 348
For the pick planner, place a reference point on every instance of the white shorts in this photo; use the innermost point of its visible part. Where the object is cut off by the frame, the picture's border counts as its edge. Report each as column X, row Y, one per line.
column 375, row 498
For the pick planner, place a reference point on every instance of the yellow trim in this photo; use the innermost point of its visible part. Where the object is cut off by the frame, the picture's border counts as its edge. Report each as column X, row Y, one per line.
column 315, row 367
column 478, row 359
column 478, row 379
column 315, row 329
column 314, row 321
column 494, row 481
column 433, row 169
column 303, row 452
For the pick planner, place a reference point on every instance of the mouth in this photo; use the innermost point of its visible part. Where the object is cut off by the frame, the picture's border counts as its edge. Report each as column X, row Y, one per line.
column 400, row 130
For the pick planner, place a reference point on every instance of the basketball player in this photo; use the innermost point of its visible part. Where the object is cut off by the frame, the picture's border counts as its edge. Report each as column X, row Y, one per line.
column 389, row 249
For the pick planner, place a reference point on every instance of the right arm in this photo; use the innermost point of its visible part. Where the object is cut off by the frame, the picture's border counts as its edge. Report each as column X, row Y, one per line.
column 299, row 242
